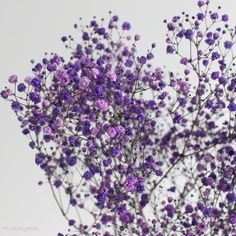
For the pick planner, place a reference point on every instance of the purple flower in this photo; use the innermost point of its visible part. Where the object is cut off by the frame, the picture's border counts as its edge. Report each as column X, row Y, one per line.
column 71, row 222
column 143, row 60
column 16, row 106
column 205, row 62
column 21, row 87
column 201, row 3
column 4, row 94
column 57, row 183
column 215, row 56
column 64, row 39
column 232, row 219
column 84, row 82
column 170, row 49
column 171, row 26
column 232, row 106
column 210, row 41
column 36, row 82
column 126, row 26
column 137, row 37
column 71, row 160
column 214, row 16
column 126, row 218
column 144, row 200
column 116, row 151
column 225, row 18
column 101, row 104
column 200, row 16
column 231, row 197
column 111, row 132
column 130, row 183
column 228, row 44
column 184, row 61
column 189, row 208
column 170, row 210
column 99, row 91
column 202, row 227
column 35, row 97
column 122, row 209
column 59, row 74
column 13, row 79
column 39, row 158
column 215, row 75
column 88, row 175
column 188, row 34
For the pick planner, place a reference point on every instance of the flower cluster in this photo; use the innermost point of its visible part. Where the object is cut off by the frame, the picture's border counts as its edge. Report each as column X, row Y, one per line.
column 134, row 150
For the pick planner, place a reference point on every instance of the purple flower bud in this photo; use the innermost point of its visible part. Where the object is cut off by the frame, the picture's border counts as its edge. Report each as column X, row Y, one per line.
column 21, row 87
column 215, row 75
column 202, row 227
column 143, row 60
column 116, row 151
column 36, row 82
column 111, row 132
column 13, row 79
column 186, row 71
column 231, row 197
column 153, row 45
column 64, row 39
column 71, row 222
column 216, row 35
column 199, row 34
column 228, row 44
column 57, row 183
column 205, row 62
column 84, row 82
column 170, row 210
column 150, row 56
column 215, row 56
column 201, row 3
column 188, row 34
column 184, row 61
column 130, row 183
column 225, row 18
column 222, row 80
column 210, row 41
column 4, row 94
column 170, row 49
column 137, row 37
column 101, row 105
column 71, row 160
column 232, row 219
column 35, row 97
column 200, row 16
column 88, row 175
column 126, row 26
column 232, row 106
column 170, row 26
column 188, row 208
column 214, row 16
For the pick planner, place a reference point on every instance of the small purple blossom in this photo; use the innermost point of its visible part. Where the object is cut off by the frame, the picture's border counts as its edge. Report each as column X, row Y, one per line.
column 84, row 82
column 101, row 105
column 13, row 79
column 130, row 183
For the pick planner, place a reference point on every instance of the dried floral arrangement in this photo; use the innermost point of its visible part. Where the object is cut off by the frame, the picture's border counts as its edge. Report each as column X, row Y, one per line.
column 131, row 149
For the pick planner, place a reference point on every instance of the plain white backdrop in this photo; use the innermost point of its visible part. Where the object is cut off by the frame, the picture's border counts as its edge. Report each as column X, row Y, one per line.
column 28, row 28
